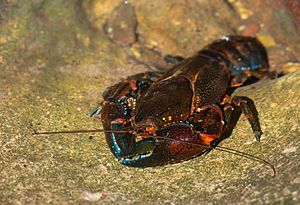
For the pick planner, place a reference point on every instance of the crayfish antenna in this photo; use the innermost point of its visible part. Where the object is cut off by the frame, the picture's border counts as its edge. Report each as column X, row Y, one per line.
column 221, row 148
column 248, row 156
column 229, row 150
column 77, row 131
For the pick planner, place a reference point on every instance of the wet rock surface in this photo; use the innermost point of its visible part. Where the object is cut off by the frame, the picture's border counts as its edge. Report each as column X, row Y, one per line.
column 56, row 59
column 121, row 26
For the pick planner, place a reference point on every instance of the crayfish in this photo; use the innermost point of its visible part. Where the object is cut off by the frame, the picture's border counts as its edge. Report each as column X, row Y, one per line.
column 157, row 118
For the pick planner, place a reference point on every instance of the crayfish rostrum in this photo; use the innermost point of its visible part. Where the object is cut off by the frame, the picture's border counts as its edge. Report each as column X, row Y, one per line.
column 158, row 118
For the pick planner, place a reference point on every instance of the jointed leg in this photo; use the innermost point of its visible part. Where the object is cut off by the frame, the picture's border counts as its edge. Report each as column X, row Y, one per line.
column 249, row 110
column 232, row 113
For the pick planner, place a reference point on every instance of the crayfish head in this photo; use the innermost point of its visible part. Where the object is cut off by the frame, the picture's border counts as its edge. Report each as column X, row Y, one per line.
column 110, row 113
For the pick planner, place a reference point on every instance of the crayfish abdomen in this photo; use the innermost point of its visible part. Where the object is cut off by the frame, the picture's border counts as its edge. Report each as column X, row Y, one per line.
column 162, row 118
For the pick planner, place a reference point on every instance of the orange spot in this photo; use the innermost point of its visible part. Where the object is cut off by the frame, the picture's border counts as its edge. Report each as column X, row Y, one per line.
column 208, row 138
column 104, row 102
column 133, row 85
column 150, row 129
column 119, row 120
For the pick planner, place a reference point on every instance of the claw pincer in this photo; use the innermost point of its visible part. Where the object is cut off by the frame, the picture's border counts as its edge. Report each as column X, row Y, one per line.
column 160, row 118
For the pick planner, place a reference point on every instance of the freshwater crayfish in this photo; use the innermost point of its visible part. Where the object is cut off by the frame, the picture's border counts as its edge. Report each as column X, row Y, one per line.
column 157, row 118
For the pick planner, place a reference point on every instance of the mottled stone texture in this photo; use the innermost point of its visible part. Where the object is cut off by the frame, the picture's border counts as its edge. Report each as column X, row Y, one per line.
column 56, row 59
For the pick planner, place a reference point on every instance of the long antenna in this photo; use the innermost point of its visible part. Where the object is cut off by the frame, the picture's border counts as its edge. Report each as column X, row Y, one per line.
column 78, row 131
column 221, row 148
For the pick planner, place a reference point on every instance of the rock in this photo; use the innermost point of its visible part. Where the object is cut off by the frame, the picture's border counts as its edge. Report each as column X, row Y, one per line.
column 121, row 27
column 55, row 60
